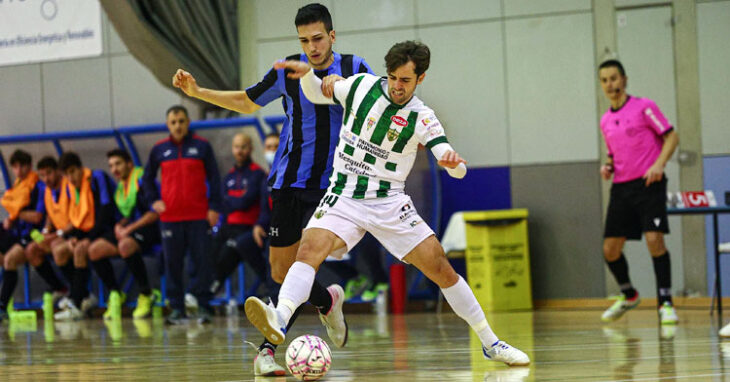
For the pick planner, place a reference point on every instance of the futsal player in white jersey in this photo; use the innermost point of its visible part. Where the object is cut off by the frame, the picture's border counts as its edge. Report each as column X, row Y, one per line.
column 382, row 126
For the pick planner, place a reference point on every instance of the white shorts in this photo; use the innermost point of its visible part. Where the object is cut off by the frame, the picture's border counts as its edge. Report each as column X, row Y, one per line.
column 393, row 221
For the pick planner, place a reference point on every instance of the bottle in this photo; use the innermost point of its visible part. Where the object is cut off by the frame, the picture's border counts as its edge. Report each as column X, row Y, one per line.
column 232, row 308
column 381, row 304
column 48, row 306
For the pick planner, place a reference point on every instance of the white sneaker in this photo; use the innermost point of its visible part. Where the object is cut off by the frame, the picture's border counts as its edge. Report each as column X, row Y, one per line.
column 264, row 365
column 504, row 352
column 334, row 320
column 725, row 331
column 621, row 306
column 667, row 314
column 63, row 302
column 89, row 303
column 266, row 319
column 70, row 313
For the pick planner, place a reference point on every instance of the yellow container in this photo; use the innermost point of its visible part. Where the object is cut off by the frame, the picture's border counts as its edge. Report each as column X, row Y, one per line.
column 498, row 259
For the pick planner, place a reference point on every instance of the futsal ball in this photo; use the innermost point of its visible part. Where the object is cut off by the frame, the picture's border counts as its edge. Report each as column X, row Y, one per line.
column 308, row 358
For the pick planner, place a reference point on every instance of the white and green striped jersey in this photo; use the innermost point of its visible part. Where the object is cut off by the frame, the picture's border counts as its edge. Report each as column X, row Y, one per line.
column 378, row 139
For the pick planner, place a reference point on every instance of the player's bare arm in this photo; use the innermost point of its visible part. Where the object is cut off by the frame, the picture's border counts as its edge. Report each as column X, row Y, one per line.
column 236, row 100
column 656, row 171
column 297, row 69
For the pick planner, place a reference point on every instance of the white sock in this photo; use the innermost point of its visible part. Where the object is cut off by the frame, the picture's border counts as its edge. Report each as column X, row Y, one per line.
column 466, row 306
column 295, row 289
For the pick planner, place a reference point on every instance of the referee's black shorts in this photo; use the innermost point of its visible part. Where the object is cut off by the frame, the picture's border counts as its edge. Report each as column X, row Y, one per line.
column 290, row 213
column 635, row 208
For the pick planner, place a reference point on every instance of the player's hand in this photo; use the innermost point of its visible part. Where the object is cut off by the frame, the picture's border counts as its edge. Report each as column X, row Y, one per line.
column 213, row 217
column 328, row 84
column 159, row 206
column 451, row 159
column 297, row 68
column 259, row 234
column 606, row 171
column 186, row 82
column 7, row 223
column 655, row 173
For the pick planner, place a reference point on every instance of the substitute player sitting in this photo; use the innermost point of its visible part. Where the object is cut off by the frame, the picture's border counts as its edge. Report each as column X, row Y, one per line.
column 136, row 231
column 21, row 203
column 382, row 126
column 640, row 141
column 92, row 214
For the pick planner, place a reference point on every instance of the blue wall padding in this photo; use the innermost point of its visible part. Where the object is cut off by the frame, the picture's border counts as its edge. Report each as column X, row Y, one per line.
column 485, row 188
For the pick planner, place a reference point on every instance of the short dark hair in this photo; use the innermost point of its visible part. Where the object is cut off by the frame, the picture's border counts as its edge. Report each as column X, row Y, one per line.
column 175, row 109
column 47, row 162
column 21, row 157
column 69, row 159
column 272, row 135
column 119, row 153
column 312, row 13
column 613, row 64
column 405, row 51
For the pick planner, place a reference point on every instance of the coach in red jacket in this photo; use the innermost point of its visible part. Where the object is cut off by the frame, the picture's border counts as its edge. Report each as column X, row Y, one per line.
column 188, row 207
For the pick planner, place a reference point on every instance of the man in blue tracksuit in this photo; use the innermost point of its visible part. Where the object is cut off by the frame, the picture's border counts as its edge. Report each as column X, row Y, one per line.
column 189, row 203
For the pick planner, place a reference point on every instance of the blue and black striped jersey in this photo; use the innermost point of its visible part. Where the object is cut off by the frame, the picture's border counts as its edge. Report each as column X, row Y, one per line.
column 310, row 133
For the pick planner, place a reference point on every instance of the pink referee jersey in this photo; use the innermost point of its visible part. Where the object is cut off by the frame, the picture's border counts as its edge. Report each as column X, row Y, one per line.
column 634, row 136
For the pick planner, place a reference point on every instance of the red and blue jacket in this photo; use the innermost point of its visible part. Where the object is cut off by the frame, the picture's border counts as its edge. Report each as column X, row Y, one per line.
column 242, row 194
column 190, row 182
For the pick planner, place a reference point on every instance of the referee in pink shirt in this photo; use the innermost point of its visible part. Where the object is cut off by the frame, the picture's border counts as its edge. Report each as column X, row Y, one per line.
column 640, row 141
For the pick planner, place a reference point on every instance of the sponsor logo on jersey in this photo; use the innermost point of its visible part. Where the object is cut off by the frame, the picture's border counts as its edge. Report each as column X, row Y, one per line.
column 415, row 223
column 371, row 122
column 393, row 134
column 167, row 153
column 372, row 149
column 398, row 120
column 319, row 214
column 348, row 137
column 193, row 151
column 406, row 207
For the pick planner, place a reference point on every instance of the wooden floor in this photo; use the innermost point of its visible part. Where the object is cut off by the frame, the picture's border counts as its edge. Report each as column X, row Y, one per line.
column 564, row 346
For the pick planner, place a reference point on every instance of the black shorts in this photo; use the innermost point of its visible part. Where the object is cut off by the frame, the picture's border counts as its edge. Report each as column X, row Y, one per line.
column 291, row 210
column 147, row 236
column 8, row 240
column 635, row 208
column 79, row 235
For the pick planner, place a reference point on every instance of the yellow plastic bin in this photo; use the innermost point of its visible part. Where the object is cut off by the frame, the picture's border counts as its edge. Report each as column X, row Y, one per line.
column 498, row 259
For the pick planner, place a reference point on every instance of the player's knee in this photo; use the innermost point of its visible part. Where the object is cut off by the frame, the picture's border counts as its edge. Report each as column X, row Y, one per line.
column 127, row 247
column 611, row 252
column 277, row 275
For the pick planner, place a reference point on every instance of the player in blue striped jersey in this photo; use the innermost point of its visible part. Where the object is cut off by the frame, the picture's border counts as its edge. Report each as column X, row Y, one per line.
column 303, row 163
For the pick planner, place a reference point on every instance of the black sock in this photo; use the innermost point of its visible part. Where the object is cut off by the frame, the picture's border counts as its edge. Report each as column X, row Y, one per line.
column 620, row 270
column 267, row 344
column 10, row 280
column 105, row 271
column 45, row 270
column 139, row 271
column 68, row 272
column 227, row 262
column 320, row 297
column 78, row 287
column 663, row 272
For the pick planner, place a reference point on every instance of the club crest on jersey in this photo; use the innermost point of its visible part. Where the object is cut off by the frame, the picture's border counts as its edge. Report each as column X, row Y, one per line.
column 398, row 120
column 393, row 134
column 371, row 122
column 319, row 214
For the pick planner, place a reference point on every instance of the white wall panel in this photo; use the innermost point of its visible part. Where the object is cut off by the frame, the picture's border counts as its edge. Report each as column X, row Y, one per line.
column 551, row 89
column 439, row 11
column 21, row 109
column 77, row 94
column 713, row 28
column 137, row 96
column 536, row 7
column 354, row 15
column 465, row 86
